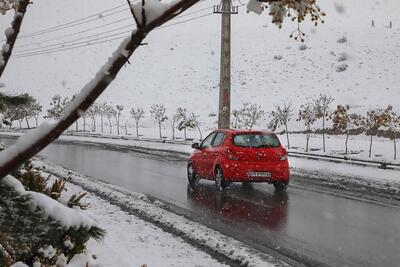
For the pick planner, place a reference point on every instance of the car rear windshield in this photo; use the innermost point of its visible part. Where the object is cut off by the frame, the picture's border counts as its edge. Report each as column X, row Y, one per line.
column 257, row 140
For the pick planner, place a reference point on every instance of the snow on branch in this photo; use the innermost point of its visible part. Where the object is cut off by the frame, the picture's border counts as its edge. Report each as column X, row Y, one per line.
column 145, row 11
column 67, row 217
column 29, row 145
column 12, row 32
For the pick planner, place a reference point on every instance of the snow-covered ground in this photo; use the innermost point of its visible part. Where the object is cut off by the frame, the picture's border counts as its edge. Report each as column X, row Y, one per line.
column 130, row 241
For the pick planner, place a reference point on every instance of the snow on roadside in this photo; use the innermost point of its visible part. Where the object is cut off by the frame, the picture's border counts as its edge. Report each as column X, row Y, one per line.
column 65, row 216
column 147, row 239
column 131, row 241
column 372, row 176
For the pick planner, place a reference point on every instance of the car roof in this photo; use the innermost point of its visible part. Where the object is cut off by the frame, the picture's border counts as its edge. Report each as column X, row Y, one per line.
column 242, row 131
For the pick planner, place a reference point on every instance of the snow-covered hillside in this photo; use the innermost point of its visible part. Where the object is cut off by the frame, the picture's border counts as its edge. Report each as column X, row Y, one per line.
column 180, row 64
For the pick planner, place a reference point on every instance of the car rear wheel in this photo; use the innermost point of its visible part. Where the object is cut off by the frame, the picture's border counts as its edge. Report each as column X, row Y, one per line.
column 193, row 178
column 220, row 182
column 280, row 186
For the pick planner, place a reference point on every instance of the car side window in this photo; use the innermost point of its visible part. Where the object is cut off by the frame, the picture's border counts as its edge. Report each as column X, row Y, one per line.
column 207, row 142
column 218, row 139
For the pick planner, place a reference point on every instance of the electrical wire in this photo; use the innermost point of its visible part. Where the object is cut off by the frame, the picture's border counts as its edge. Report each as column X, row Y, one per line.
column 94, row 28
column 98, row 40
column 80, row 21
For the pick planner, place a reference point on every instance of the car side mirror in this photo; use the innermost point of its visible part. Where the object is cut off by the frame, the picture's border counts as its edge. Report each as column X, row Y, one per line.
column 196, row 146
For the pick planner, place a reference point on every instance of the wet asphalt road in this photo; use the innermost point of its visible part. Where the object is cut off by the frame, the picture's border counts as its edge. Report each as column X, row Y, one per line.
column 309, row 226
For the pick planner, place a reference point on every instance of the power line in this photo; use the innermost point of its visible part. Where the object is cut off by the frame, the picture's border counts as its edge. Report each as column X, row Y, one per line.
column 58, row 28
column 91, row 29
column 75, row 21
column 72, row 34
column 98, row 40
column 77, row 39
column 63, row 47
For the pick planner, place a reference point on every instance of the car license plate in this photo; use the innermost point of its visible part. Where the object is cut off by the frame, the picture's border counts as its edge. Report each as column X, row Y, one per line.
column 260, row 174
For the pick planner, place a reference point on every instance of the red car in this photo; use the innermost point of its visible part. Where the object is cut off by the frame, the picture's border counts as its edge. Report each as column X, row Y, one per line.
column 239, row 156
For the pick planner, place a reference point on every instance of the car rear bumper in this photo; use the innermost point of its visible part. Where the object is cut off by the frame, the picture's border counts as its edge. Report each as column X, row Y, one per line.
column 241, row 172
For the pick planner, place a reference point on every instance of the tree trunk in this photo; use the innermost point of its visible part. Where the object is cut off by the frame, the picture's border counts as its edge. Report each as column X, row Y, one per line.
column 20, row 124
column 137, row 129
column 36, row 121
column 173, row 131
column 118, row 125
column 323, row 133
column 27, row 123
column 287, row 136
column 126, row 129
column 159, row 129
column 11, row 38
column 184, row 133
column 94, row 124
column 76, row 126
column 307, row 137
column 347, row 140
column 88, row 94
column 395, row 148
column 101, row 119
column 84, row 124
column 110, row 125
column 370, row 147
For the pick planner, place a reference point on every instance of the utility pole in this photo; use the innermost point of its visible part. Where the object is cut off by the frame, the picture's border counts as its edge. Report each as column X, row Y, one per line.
column 224, row 109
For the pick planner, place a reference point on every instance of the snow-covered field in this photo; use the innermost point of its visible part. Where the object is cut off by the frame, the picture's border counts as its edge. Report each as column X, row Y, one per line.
column 189, row 52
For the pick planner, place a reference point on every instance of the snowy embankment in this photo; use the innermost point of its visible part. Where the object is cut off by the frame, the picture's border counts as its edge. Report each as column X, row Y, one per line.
column 131, row 241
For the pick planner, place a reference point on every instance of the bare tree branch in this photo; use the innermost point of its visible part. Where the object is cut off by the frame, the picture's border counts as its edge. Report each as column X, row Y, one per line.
column 11, row 37
column 143, row 13
column 14, row 156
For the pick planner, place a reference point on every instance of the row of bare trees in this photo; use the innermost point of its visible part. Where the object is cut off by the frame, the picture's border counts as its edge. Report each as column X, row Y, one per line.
column 182, row 119
column 343, row 121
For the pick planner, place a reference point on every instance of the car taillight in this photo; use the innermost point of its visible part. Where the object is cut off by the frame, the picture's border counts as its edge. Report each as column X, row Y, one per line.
column 283, row 158
column 231, row 155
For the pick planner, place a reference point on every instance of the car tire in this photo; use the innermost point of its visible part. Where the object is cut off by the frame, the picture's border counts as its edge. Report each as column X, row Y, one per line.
column 280, row 186
column 220, row 182
column 193, row 178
